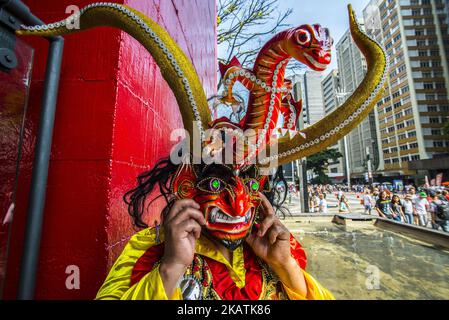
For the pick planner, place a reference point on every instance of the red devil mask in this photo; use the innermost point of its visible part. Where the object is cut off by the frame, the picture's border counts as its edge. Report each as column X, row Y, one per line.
column 229, row 199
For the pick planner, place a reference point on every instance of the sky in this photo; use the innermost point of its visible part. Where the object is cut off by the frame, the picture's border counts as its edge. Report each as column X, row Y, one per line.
column 332, row 14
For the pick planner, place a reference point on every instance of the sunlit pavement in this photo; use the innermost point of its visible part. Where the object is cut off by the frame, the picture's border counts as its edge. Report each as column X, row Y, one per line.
column 332, row 203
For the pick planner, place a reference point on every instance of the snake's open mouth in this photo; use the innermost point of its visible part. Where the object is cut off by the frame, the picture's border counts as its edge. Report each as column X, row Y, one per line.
column 218, row 220
column 315, row 63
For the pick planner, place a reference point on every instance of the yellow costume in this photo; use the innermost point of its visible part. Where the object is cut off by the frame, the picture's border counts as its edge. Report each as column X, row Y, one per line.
column 122, row 282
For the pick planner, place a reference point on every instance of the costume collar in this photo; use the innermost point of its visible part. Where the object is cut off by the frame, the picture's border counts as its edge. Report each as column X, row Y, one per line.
column 237, row 271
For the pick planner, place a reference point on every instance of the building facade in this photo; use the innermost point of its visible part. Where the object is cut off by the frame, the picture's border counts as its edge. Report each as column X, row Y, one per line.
column 362, row 141
column 313, row 106
column 330, row 87
column 415, row 105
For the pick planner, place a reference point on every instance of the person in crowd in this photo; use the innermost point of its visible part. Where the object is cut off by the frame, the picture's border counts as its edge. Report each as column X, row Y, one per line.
column 367, row 201
column 340, row 193
column 445, row 194
column 343, row 205
column 438, row 207
column 414, row 196
column 383, row 205
column 422, row 207
column 398, row 212
column 316, row 201
column 322, row 204
column 409, row 209
column 376, row 194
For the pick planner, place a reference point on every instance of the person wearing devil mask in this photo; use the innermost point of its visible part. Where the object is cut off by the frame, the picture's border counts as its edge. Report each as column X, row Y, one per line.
column 220, row 239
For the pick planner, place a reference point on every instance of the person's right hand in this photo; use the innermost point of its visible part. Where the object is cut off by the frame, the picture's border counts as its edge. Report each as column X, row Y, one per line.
column 182, row 227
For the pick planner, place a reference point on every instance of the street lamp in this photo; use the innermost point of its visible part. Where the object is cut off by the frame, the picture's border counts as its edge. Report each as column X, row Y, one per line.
column 341, row 98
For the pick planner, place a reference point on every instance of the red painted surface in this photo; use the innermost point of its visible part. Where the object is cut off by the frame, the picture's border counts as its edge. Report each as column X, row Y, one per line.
column 114, row 117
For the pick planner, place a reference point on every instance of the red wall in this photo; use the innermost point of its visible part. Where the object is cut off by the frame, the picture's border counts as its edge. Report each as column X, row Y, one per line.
column 114, row 116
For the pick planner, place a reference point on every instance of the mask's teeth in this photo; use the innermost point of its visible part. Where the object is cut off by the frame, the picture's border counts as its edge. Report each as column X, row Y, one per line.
column 213, row 214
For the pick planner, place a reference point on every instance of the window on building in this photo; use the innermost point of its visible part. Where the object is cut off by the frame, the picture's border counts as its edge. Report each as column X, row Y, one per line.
column 438, row 144
column 434, row 120
column 435, row 132
column 403, row 147
column 413, row 145
column 422, row 53
column 415, row 157
column 402, row 136
column 432, row 108
column 412, row 134
column 428, row 85
column 405, row 159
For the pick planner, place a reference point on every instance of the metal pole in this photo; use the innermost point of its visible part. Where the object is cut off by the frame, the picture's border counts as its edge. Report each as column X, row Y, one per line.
column 36, row 204
column 348, row 172
column 33, row 231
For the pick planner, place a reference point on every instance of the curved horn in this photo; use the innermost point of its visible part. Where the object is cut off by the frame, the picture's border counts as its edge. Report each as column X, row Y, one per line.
column 175, row 67
column 344, row 119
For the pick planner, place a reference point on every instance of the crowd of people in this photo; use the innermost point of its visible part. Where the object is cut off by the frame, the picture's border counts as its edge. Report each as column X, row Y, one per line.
column 424, row 207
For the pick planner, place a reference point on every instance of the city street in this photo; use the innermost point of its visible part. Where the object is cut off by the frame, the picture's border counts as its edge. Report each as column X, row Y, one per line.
column 332, row 203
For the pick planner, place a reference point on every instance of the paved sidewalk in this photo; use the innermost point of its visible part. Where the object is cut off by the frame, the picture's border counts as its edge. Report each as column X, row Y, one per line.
column 332, row 205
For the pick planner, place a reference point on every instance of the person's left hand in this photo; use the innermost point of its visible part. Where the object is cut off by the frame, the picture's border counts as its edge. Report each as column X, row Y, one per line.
column 272, row 241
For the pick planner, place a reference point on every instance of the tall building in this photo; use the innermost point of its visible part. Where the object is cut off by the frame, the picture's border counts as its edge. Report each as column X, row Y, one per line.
column 330, row 87
column 352, row 69
column 313, row 108
column 415, row 105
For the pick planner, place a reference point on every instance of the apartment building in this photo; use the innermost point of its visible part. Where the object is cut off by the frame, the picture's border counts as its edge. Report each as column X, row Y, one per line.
column 415, row 105
column 352, row 69
column 330, row 87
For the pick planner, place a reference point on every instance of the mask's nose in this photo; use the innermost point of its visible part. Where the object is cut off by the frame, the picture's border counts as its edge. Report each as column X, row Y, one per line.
column 241, row 201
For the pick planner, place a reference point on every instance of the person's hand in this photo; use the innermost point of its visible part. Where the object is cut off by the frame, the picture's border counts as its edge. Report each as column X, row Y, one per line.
column 271, row 243
column 182, row 227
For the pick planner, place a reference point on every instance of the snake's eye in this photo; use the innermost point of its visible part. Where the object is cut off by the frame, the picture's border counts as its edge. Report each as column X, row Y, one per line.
column 253, row 185
column 303, row 37
column 212, row 185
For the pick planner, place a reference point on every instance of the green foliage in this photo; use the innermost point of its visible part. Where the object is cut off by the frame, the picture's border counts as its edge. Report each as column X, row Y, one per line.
column 318, row 164
column 446, row 128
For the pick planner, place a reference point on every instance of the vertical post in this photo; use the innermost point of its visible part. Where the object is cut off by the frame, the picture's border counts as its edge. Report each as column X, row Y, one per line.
column 35, row 213
column 348, row 172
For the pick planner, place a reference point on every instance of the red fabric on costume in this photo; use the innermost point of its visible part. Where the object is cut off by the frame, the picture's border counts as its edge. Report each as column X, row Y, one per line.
column 146, row 262
column 298, row 252
column 225, row 286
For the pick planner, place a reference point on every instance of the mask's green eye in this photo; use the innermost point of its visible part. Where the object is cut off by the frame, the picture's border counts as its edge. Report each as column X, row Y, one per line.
column 215, row 185
column 253, row 185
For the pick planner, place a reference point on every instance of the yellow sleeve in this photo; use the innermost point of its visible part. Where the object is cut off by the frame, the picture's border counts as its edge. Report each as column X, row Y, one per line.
column 117, row 284
column 315, row 291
